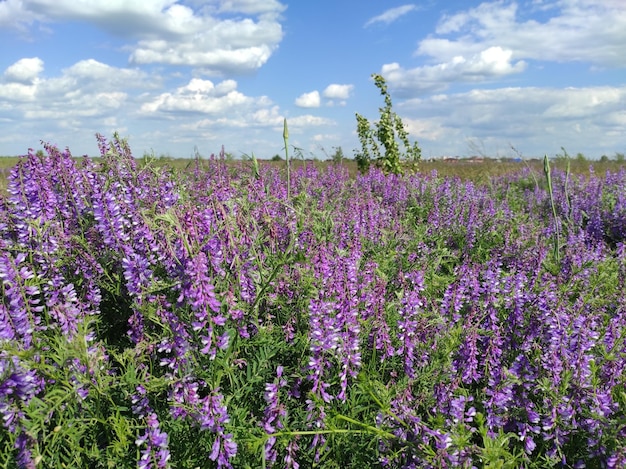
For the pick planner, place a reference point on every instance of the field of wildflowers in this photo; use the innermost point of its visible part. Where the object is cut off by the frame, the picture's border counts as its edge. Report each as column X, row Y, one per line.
column 153, row 318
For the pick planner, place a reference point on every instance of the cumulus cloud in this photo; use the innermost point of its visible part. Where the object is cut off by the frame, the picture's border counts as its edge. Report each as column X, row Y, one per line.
column 92, row 73
column 16, row 92
column 576, row 103
column 13, row 15
column 335, row 91
column 391, row 15
column 311, row 99
column 90, row 97
column 229, row 45
column 84, row 86
column 100, row 104
column 251, row 7
column 488, row 64
column 128, row 19
column 525, row 117
column 170, row 32
column 201, row 96
column 574, row 31
column 24, row 71
column 70, row 106
column 494, row 40
column 424, row 129
column 82, row 98
column 308, row 120
column 269, row 117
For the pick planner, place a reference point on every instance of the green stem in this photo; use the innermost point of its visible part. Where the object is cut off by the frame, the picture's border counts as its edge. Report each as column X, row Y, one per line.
column 317, row 432
column 368, row 428
column 286, row 139
column 567, row 197
column 546, row 170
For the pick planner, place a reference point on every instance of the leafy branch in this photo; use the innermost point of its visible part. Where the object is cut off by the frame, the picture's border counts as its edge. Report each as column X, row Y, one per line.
column 389, row 132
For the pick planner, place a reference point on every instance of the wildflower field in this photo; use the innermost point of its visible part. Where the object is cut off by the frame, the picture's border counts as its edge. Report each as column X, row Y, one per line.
column 214, row 317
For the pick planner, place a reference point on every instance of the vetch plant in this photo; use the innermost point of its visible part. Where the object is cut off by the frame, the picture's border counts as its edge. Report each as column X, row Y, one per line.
column 218, row 317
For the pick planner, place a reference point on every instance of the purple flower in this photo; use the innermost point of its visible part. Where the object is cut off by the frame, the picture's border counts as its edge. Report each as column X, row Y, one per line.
column 24, row 458
column 374, row 303
column 246, row 284
column 20, row 301
column 290, row 456
column 273, row 413
column 413, row 324
column 213, row 416
column 17, row 387
column 155, row 442
column 65, row 308
column 107, row 211
column 137, row 272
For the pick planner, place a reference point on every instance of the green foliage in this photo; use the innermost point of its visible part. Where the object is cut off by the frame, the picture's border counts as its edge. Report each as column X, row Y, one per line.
column 495, row 451
column 71, row 429
column 563, row 156
column 338, row 156
column 385, row 413
column 380, row 142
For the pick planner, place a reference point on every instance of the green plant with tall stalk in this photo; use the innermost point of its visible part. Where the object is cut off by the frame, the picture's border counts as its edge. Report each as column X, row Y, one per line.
column 286, row 139
column 557, row 240
column 387, row 133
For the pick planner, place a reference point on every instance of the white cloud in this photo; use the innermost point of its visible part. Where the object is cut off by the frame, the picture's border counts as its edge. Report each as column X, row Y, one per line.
column 262, row 119
column 251, row 7
column 201, row 96
column 24, row 71
column 130, row 19
column 83, row 98
column 494, row 40
column 577, row 31
column 424, row 129
column 16, row 92
column 311, row 99
column 266, row 117
column 231, row 45
column 13, row 16
column 100, row 104
column 324, row 139
column 532, row 118
column 91, row 72
column 391, row 15
column 308, row 120
column 585, row 102
column 169, row 32
column 488, row 64
column 84, row 85
column 90, row 97
column 240, row 60
column 335, row 91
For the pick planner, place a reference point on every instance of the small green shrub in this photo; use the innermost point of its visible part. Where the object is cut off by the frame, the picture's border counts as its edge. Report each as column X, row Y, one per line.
column 386, row 133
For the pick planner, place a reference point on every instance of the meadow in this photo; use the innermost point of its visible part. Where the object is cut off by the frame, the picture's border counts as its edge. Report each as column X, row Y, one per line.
column 214, row 316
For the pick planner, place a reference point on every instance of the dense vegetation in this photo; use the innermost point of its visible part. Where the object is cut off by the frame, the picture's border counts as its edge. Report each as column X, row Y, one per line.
column 214, row 317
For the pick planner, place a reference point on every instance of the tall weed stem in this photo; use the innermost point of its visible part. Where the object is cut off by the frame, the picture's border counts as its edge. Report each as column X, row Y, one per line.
column 557, row 239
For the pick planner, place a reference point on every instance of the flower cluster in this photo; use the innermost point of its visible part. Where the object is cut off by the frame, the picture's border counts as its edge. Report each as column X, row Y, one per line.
column 209, row 314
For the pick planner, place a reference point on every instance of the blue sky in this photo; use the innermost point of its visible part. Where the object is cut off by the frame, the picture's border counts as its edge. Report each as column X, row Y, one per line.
column 466, row 77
